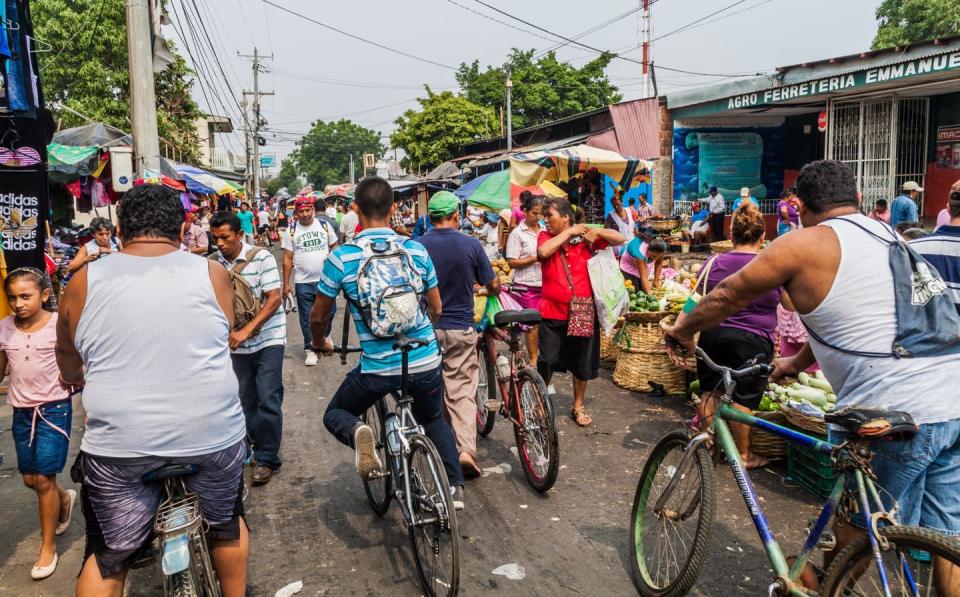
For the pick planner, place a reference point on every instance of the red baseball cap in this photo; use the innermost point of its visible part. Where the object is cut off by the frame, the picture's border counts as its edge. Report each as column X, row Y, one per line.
column 303, row 202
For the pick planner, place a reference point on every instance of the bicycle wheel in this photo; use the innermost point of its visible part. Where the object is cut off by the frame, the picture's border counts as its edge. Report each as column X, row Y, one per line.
column 486, row 390
column 378, row 490
column 182, row 584
column 537, row 443
column 434, row 533
column 669, row 545
column 854, row 570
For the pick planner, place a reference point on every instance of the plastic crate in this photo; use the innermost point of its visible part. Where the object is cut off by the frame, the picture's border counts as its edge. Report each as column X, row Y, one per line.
column 810, row 469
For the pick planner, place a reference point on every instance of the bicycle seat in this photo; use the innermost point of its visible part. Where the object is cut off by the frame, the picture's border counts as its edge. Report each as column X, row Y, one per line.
column 406, row 344
column 874, row 424
column 169, row 471
column 526, row 316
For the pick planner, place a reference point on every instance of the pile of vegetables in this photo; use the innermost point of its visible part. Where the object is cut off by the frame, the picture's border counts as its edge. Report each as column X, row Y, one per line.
column 502, row 269
column 814, row 390
column 640, row 301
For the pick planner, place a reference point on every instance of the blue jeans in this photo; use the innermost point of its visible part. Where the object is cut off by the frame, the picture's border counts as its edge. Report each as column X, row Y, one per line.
column 46, row 454
column 922, row 475
column 359, row 391
column 306, row 295
column 260, row 375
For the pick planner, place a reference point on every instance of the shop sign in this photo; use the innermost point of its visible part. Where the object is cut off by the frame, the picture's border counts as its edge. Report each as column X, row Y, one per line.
column 822, row 121
column 845, row 82
column 948, row 147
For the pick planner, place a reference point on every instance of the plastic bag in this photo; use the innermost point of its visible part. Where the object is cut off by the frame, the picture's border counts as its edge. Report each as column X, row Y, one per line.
column 493, row 307
column 609, row 290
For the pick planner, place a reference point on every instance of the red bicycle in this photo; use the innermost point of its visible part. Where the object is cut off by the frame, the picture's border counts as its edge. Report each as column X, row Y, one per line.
column 526, row 402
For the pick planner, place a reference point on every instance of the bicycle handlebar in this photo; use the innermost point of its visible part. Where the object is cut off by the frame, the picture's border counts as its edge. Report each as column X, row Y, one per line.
column 347, row 349
column 758, row 369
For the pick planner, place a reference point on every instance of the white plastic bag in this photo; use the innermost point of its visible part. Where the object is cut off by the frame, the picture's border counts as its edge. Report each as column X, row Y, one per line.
column 609, row 290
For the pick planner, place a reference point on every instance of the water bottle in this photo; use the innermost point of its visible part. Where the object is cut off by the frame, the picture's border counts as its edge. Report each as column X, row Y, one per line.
column 503, row 368
column 392, row 425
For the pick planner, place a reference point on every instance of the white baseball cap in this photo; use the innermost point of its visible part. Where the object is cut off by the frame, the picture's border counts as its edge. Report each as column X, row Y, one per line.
column 912, row 186
column 745, row 192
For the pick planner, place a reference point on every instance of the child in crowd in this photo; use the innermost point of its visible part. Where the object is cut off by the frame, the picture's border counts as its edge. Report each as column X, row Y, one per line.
column 42, row 410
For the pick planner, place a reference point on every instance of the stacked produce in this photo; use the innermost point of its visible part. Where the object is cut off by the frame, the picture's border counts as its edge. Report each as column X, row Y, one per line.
column 502, row 269
column 809, row 391
column 640, row 301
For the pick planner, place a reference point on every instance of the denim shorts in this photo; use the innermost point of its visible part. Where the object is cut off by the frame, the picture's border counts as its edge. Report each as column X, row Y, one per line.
column 46, row 454
column 922, row 475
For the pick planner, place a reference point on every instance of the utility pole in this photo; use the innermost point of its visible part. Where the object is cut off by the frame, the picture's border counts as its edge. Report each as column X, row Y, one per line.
column 645, row 34
column 257, row 121
column 143, row 98
column 509, row 112
column 247, row 179
column 353, row 179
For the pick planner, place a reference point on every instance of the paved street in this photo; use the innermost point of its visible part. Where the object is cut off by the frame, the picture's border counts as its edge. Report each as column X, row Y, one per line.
column 312, row 522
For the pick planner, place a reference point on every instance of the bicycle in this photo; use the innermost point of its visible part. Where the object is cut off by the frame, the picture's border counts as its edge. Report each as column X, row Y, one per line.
column 524, row 402
column 180, row 529
column 877, row 563
column 413, row 474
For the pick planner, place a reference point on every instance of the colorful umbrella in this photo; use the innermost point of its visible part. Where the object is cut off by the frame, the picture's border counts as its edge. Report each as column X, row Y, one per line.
column 491, row 191
column 201, row 181
column 563, row 164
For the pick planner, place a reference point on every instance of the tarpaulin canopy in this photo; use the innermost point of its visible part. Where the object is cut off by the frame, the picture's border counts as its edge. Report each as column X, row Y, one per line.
column 201, row 181
column 490, row 190
column 528, row 169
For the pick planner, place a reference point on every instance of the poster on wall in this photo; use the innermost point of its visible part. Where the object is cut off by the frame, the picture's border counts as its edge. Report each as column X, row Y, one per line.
column 948, row 147
column 728, row 158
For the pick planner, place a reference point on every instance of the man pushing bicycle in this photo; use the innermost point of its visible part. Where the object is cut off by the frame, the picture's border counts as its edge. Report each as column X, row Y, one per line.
column 383, row 277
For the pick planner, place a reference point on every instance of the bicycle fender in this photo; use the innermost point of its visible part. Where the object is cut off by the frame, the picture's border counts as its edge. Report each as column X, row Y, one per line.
column 176, row 554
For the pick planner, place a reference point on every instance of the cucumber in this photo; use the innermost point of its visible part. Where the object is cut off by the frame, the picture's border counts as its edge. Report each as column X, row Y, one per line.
column 811, row 395
column 820, row 384
column 803, row 378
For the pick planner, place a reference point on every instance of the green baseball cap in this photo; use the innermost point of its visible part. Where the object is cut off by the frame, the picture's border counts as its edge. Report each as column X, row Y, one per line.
column 442, row 204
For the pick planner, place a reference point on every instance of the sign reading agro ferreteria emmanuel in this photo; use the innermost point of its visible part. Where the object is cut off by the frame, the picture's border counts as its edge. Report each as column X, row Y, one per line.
column 844, row 82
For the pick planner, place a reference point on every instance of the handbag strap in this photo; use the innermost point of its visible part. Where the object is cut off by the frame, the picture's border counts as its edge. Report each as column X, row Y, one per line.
column 705, row 275
column 566, row 270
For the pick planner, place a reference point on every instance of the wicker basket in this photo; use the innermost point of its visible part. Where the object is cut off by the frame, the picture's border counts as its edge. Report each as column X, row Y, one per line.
column 635, row 369
column 646, row 316
column 664, row 225
column 764, row 443
column 609, row 345
column 724, row 246
column 646, row 336
column 806, row 423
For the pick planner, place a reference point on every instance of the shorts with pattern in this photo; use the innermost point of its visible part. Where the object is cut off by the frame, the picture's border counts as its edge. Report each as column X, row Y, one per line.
column 119, row 506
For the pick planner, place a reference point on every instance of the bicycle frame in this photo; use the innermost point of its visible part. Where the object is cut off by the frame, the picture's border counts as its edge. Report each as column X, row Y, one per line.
column 509, row 391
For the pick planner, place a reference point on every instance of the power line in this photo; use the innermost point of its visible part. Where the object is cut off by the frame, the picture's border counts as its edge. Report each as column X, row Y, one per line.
column 701, row 19
column 597, row 28
column 727, row 16
column 358, row 38
column 343, row 82
column 504, row 23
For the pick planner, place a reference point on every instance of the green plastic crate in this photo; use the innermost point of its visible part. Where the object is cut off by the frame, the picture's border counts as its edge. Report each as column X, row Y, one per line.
column 810, row 469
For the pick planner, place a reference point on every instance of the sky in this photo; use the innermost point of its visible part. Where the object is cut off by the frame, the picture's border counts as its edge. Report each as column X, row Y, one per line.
column 318, row 73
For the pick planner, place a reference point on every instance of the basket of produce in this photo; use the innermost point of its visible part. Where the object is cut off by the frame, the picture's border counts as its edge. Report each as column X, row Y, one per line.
column 502, row 269
column 636, row 370
column 610, row 345
column 663, row 225
column 723, row 246
column 764, row 443
column 643, row 306
column 805, row 402
column 641, row 335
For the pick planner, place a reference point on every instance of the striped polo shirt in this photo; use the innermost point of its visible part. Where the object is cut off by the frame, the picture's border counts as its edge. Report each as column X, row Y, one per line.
column 942, row 250
column 340, row 273
column 263, row 276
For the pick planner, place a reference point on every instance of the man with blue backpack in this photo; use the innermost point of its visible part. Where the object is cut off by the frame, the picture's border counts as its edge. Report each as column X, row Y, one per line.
column 385, row 277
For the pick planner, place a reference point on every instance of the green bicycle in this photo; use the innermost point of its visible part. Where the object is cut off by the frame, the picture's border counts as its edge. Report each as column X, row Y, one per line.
column 674, row 506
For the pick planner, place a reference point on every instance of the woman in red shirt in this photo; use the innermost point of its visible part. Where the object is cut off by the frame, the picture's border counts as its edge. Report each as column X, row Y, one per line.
column 568, row 244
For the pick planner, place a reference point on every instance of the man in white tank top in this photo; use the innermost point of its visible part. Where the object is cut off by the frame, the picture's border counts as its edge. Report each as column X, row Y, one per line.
column 146, row 333
column 839, row 278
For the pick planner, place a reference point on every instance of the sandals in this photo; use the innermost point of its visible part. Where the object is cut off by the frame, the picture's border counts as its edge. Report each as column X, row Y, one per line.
column 580, row 417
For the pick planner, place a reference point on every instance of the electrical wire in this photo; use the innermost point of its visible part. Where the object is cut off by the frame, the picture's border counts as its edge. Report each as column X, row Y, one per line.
column 727, row 16
column 357, row 37
column 700, row 20
column 504, row 23
column 343, row 82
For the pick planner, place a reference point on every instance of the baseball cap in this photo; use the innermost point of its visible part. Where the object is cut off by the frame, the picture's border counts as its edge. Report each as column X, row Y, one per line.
column 912, row 186
column 303, row 202
column 745, row 192
column 713, row 190
column 442, row 204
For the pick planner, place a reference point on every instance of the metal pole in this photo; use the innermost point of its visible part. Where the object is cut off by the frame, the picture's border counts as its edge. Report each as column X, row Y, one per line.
column 143, row 99
column 645, row 33
column 256, row 127
column 509, row 113
column 352, row 176
column 246, row 147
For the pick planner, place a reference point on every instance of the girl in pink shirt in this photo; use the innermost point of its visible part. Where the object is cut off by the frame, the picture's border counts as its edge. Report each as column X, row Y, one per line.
column 42, row 410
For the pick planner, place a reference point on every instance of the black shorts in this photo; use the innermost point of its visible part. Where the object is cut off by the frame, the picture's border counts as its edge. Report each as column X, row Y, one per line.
column 560, row 352
column 731, row 347
column 263, row 229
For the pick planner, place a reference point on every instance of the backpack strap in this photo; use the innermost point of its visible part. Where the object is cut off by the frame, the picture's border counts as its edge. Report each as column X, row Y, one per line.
column 238, row 268
column 856, row 353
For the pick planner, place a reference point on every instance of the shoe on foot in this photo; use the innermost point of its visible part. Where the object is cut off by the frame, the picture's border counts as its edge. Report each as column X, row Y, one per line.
column 72, row 497
column 367, row 461
column 468, row 464
column 311, row 359
column 551, row 390
column 261, row 474
column 42, row 572
column 456, row 496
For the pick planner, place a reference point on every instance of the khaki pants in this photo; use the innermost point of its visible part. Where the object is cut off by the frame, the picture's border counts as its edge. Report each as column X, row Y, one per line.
column 461, row 370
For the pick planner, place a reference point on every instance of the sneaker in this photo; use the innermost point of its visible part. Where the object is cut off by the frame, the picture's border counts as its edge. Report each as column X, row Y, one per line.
column 551, row 390
column 367, row 461
column 311, row 359
column 456, row 493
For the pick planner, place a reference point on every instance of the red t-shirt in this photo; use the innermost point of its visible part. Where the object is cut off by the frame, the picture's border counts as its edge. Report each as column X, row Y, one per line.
column 555, row 303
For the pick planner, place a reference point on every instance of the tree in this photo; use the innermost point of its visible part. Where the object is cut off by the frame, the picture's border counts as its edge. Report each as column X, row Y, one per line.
column 445, row 121
column 88, row 71
column 543, row 90
column 904, row 22
column 323, row 154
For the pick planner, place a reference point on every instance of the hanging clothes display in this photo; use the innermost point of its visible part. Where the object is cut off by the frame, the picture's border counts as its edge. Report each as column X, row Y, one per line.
column 21, row 92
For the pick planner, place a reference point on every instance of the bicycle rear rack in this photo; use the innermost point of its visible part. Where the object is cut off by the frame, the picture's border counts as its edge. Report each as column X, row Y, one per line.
column 180, row 515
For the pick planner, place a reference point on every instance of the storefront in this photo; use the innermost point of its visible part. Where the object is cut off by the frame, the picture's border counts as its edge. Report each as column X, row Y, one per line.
column 891, row 115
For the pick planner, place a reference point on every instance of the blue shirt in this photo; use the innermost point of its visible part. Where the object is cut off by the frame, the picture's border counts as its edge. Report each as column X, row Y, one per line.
column 420, row 228
column 246, row 221
column 739, row 200
column 459, row 260
column 637, row 249
column 340, row 273
column 703, row 214
column 942, row 251
column 903, row 209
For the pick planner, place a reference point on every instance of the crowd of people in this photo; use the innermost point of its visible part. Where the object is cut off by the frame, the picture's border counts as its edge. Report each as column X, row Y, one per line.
column 180, row 357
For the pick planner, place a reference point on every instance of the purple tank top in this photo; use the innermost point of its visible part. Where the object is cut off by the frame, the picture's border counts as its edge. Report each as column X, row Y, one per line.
column 760, row 316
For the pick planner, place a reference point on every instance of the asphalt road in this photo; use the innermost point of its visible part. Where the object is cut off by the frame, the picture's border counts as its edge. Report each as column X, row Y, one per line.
column 311, row 523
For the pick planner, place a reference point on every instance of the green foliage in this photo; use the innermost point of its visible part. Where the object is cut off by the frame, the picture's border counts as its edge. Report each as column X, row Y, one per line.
column 445, row 121
column 88, row 71
column 288, row 177
column 903, row 22
column 323, row 154
column 543, row 90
